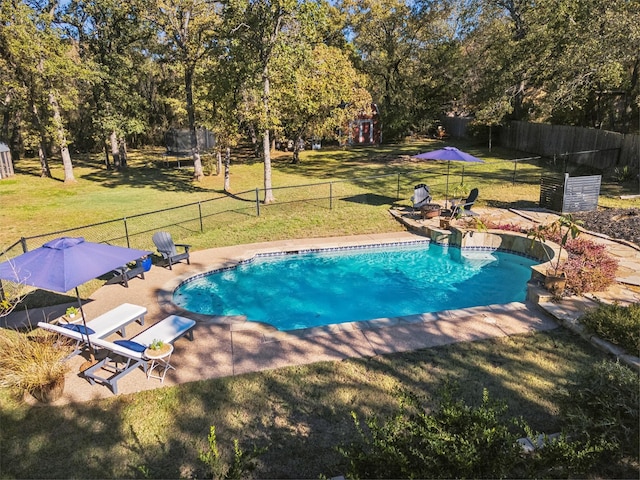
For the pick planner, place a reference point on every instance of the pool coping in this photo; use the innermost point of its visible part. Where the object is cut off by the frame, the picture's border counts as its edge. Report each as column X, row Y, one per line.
column 240, row 323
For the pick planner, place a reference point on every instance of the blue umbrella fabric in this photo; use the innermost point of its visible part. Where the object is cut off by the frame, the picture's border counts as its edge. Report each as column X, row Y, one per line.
column 65, row 263
column 448, row 154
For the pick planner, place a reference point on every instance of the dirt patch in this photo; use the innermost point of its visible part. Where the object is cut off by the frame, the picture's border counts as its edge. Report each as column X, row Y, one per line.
column 620, row 223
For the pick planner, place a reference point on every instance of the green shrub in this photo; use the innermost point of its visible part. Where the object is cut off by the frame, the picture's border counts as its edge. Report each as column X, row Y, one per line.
column 453, row 441
column 624, row 174
column 617, row 324
column 218, row 468
column 561, row 457
column 603, row 408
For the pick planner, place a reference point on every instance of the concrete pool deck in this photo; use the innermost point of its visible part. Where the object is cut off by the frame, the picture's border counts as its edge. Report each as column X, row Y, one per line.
column 222, row 350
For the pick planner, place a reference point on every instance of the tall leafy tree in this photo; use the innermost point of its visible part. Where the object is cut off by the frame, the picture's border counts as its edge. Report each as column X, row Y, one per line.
column 311, row 94
column 114, row 37
column 261, row 28
column 190, row 29
column 47, row 67
column 408, row 50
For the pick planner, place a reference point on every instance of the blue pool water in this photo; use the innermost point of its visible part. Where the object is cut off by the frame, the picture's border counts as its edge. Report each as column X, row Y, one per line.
column 305, row 290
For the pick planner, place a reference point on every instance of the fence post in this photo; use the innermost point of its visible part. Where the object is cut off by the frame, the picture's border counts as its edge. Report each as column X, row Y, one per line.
column 23, row 241
column 126, row 231
column 257, row 202
column 515, row 165
column 330, row 195
column 200, row 215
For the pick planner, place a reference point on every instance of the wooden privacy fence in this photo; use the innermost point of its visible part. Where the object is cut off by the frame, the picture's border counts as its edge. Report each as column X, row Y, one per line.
column 600, row 149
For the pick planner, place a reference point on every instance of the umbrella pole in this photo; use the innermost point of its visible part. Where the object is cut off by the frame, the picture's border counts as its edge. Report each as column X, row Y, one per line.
column 92, row 358
column 446, row 195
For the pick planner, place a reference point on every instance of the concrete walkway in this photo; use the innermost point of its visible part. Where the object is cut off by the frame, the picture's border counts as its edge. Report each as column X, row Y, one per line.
column 226, row 349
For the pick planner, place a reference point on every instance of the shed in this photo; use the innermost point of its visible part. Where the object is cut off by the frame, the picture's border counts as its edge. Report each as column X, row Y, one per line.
column 365, row 129
column 6, row 165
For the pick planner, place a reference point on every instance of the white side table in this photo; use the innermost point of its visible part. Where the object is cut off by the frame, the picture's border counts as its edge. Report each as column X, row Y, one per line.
column 159, row 361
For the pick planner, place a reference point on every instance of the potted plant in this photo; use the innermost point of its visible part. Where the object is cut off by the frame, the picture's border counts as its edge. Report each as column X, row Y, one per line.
column 445, row 223
column 159, row 347
column 72, row 312
column 460, row 192
column 33, row 364
column 560, row 230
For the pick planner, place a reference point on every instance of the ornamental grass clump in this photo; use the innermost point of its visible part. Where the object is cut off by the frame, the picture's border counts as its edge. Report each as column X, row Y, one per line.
column 29, row 362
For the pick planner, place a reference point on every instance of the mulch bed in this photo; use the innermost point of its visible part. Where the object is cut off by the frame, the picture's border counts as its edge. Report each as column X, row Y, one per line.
column 620, row 223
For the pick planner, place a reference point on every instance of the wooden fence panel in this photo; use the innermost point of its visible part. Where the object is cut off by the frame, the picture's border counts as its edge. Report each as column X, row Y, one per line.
column 602, row 149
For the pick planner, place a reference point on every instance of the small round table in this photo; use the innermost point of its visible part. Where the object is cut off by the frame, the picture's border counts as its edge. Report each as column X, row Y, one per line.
column 160, row 361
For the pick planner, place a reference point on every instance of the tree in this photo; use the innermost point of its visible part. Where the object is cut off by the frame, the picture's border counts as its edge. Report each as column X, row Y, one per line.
column 562, row 61
column 47, row 71
column 189, row 29
column 317, row 83
column 408, row 51
column 112, row 36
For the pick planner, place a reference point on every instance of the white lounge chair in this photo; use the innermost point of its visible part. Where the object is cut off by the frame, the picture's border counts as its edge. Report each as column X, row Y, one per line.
column 124, row 356
column 114, row 320
column 421, row 196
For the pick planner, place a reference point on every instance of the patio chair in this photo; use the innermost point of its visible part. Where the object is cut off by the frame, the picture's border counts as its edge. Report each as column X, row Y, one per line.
column 124, row 356
column 464, row 209
column 421, row 196
column 167, row 249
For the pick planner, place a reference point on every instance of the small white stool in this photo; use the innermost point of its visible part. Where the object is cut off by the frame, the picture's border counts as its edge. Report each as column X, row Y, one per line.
column 160, row 361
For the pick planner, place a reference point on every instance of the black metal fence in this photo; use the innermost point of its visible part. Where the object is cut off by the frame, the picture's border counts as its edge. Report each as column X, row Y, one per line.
column 135, row 231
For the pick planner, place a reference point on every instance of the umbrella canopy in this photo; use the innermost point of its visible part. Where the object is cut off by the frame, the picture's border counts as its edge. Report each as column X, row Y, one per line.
column 448, row 154
column 64, row 263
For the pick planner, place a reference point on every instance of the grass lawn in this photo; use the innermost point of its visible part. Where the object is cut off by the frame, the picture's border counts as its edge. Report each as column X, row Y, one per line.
column 299, row 413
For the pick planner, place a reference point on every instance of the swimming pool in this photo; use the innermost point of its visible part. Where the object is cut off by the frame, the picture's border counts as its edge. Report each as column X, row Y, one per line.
column 293, row 291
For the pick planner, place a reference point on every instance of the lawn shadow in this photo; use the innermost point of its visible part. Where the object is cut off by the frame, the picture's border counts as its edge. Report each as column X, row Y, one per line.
column 370, row 199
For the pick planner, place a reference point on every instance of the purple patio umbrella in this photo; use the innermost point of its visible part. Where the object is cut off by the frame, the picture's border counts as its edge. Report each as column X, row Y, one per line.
column 65, row 263
column 448, row 154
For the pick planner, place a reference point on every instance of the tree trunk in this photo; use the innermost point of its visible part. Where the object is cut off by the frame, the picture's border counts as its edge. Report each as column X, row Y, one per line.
column 45, row 171
column 107, row 163
column 195, row 150
column 115, row 152
column 62, row 140
column 266, row 144
column 227, row 161
column 122, row 150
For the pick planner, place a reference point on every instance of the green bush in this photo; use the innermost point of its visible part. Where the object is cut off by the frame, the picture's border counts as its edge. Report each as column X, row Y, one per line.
column 561, row 457
column 453, row 441
column 616, row 324
column 603, row 408
column 220, row 469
